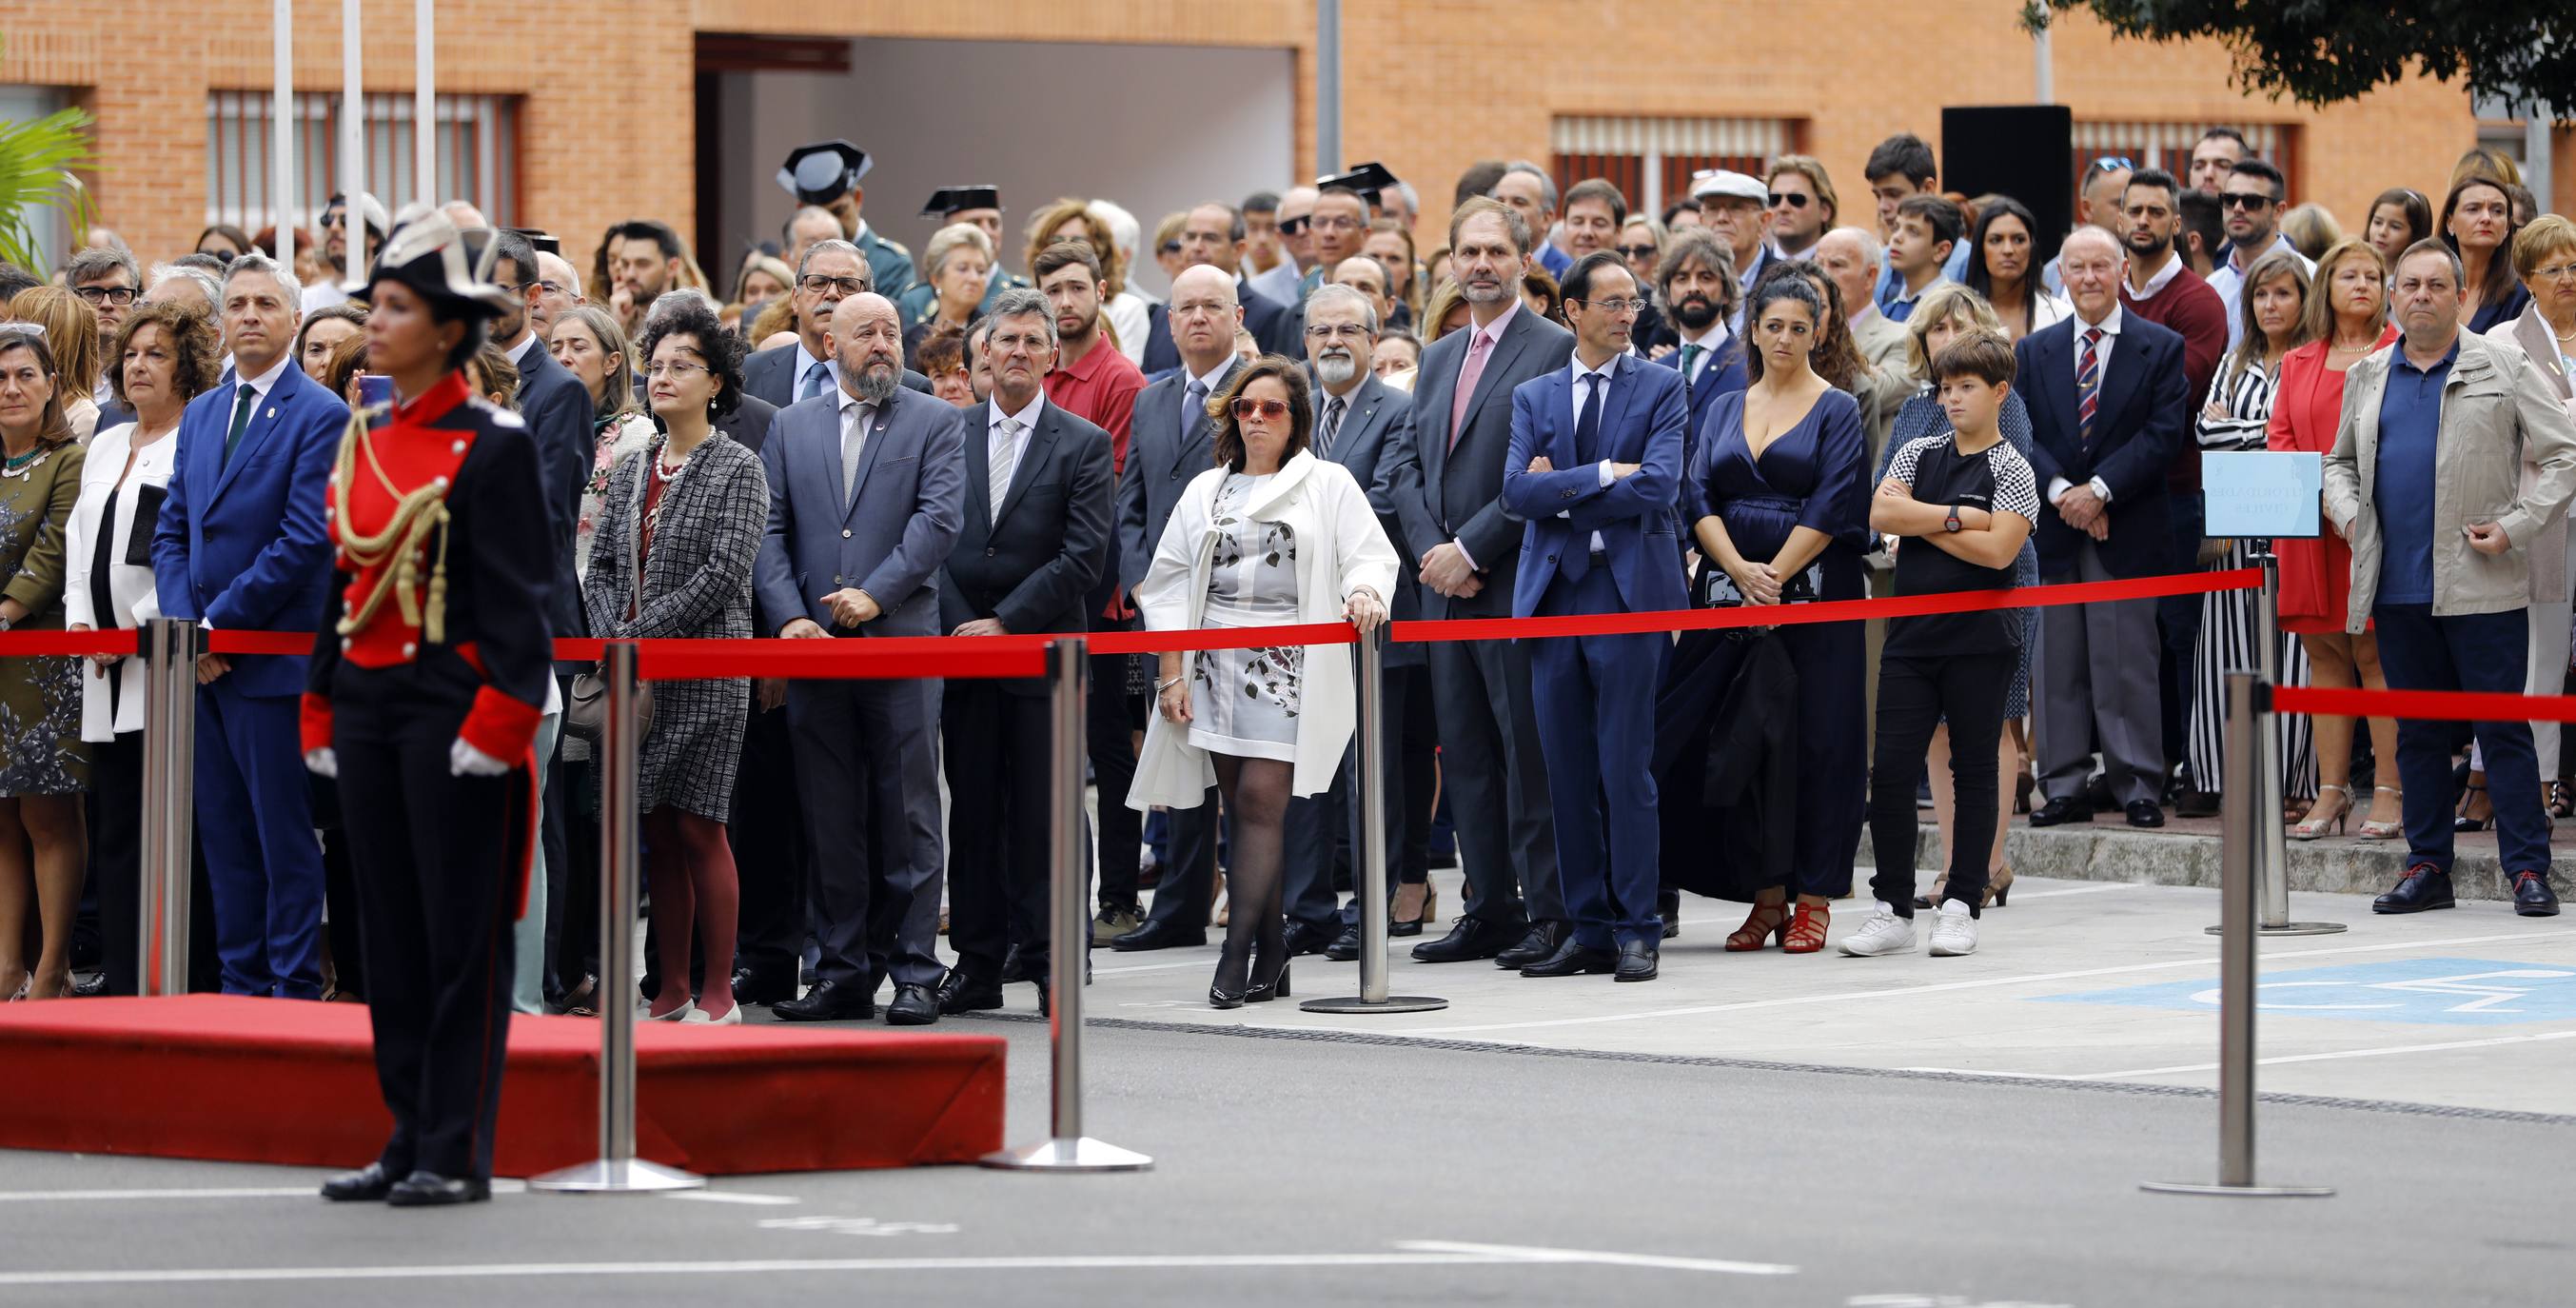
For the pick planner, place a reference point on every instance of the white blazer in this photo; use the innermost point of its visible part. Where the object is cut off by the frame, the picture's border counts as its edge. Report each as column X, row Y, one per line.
column 1320, row 501
column 129, row 585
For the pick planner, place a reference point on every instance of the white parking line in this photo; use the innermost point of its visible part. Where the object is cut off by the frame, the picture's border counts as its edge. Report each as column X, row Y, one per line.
column 731, row 1197
column 1406, row 1254
column 2330, row 1056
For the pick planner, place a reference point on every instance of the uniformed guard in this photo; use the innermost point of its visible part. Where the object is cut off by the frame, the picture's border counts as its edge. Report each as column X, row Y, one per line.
column 826, row 175
column 429, row 674
column 982, row 206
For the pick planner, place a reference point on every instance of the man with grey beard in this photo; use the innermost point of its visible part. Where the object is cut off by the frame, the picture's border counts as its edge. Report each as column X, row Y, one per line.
column 867, row 492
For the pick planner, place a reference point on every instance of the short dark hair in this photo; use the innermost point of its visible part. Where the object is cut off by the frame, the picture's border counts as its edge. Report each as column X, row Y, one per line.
column 1902, row 153
column 1478, row 180
column 2269, row 175
column 1365, row 206
column 1061, row 255
column 2200, row 216
column 522, row 254
column 646, row 229
column 14, row 279
column 1577, row 282
column 723, row 350
column 1943, row 217
column 1261, row 202
column 1595, row 188
column 2228, row 133
column 1234, row 228
column 1676, row 207
column 1979, row 354
column 2152, row 178
column 1301, row 409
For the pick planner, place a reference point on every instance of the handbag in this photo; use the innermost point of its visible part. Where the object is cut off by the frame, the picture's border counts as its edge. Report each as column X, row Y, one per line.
column 585, row 713
column 1717, row 590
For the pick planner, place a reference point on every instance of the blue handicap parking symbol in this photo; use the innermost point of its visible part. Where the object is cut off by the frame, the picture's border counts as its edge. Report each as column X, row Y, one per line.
column 2442, row 991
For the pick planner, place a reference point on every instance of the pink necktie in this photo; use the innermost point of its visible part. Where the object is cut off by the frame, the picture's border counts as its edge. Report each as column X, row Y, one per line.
column 1468, row 376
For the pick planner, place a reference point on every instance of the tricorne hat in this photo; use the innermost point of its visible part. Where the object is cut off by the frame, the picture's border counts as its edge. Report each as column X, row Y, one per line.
column 427, row 253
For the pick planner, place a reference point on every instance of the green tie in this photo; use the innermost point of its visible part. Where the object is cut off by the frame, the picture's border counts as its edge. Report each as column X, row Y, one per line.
column 241, row 419
column 1690, row 357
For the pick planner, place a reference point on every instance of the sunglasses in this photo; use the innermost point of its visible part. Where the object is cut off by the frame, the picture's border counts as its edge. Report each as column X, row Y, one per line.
column 1637, row 251
column 1293, row 226
column 2240, row 201
column 1792, row 199
column 1169, row 247
column 1244, row 408
column 2113, row 163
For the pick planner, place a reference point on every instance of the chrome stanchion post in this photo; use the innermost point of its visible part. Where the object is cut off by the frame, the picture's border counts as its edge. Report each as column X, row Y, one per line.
column 2239, row 844
column 169, row 650
column 1370, row 783
column 617, row 1169
column 1066, row 1148
column 2273, row 864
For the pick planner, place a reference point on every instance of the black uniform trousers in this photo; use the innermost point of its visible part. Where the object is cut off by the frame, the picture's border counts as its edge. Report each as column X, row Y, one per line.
column 999, row 815
column 769, row 850
column 433, row 857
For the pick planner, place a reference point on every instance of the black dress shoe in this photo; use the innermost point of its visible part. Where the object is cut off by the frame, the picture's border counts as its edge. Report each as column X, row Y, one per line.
column 752, row 986
column 368, row 1184
column 1668, row 906
column 2145, row 813
column 1345, row 947
column 1636, row 962
column 1015, row 968
column 1540, row 944
column 430, row 1190
column 1469, row 938
column 2056, row 811
column 2425, row 887
column 1159, row 935
column 961, row 993
column 89, row 987
column 2532, row 896
column 828, row 1001
column 1572, row 959
column 913, row 1005
column 1306, row 938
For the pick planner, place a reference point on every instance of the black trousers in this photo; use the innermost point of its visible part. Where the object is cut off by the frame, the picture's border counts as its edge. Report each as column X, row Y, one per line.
column 1110, row 720
column 769, row 851
column 560, row 869
column 1419, row 763
column 1496, row 775
column 116, row 869
column 576, row 785
column 1324, row 834
column 999, row 813
column 1914, row 695
column 1187, row 893
column 433, row 855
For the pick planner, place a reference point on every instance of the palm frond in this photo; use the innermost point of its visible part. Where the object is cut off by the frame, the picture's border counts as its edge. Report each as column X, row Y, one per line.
column 36, row 162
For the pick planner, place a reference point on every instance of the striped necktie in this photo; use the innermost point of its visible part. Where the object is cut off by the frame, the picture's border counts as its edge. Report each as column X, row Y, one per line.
column 2088, row 384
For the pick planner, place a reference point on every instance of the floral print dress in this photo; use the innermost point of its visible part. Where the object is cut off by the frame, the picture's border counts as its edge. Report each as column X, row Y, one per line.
column 40, row 698
column 1244, row 701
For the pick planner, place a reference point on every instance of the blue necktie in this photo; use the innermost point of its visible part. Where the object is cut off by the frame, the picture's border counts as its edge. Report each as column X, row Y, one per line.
column 816, row 378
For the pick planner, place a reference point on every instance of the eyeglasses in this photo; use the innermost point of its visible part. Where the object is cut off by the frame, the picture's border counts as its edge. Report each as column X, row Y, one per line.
column 1612, row 306
column 1793, row 199
column 1337, row 223
column 674, row 371
column 2114, row 163
column 2240, row 200
column 1245, row 408
column 1330, row 331
column 116, row 295
column 552, row 288
column 35, row 329
column 2556, row 272
column 818, row 284
column 1637, row 251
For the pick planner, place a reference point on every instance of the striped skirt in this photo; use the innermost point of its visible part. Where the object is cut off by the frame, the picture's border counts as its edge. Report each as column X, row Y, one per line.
column 2227, row 644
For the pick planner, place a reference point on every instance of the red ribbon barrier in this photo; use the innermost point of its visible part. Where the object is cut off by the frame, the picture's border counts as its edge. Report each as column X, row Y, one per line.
column 2425, row 705
column 1159, row 642
column 60, row 644
column 868, row 657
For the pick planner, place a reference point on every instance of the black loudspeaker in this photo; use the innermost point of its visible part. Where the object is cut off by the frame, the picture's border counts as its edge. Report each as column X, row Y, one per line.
column 2024, row 151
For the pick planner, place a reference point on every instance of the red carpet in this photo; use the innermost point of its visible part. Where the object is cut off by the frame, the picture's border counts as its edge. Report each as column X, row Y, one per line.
column 277, row 1081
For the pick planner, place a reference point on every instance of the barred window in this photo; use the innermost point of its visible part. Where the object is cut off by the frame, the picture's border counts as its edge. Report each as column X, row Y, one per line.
column 477, row 141
column 1651, row 160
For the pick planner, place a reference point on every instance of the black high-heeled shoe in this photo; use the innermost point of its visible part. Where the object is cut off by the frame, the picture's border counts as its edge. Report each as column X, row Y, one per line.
column 1218, row 996
column 1262, row 992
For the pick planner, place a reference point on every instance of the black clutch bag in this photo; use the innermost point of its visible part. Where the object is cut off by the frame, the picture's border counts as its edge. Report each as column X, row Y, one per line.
column 1716, row 590
column 147, row 515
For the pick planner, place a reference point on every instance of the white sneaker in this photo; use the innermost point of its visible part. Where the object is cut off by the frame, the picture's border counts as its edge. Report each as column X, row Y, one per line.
column 1883, row 933
column 1954, row 931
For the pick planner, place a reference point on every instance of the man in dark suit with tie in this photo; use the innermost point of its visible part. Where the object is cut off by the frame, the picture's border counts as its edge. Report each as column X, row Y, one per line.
column 1600, row 536
column 1213, row 233
column 2109, row 404
column 1697, row 284
column 867, row 492
column 241, row 546
column 1036, row 536
column 1358, row 420
column 832, row 271
column 1446, row 489
column 1168, row 444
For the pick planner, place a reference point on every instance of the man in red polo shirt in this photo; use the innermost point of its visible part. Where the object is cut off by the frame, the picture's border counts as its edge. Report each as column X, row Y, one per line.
column 1092, row 380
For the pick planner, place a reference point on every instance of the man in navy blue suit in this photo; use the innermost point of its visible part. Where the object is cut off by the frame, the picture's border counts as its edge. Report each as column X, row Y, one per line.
column 241, row 546
column 1599, row 538
column 1697, row 282
column 2109, row 405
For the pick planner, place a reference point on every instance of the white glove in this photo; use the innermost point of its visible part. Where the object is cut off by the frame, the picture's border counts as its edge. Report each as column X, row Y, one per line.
column 463, row 760
column 323, row 762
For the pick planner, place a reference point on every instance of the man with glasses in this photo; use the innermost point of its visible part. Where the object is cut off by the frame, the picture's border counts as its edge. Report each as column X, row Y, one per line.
column 832, row 270
column 1599, row 539
column 1731, row 205
column 1218, row 235
column 1800, row 203
column 1339, row 222
column 2250, row 200
column 108, row 279
column 558, row 290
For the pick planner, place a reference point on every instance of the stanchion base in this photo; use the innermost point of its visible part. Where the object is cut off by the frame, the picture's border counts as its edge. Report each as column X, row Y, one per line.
column 617, row 1176
column 2289, row 929
column 1080, row 1154
column 2239, row 1191
column 1390, row 1004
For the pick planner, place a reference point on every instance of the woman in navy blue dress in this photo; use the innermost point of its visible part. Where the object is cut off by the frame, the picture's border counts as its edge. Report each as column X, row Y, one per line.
column 1778, row 500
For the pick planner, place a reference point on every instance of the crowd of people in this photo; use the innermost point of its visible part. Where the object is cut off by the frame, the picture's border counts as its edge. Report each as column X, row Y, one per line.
column 1556, row 405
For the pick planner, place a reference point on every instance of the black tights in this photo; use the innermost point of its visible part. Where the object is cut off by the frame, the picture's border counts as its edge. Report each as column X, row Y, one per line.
column 1256, row 799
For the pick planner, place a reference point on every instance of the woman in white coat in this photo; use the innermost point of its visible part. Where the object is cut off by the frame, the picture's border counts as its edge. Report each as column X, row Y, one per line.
column 164, row 355
column 1271, row 536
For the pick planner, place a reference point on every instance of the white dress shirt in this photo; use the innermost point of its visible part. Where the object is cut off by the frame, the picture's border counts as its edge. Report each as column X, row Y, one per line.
column 1708, row 342
column 1586, row 381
